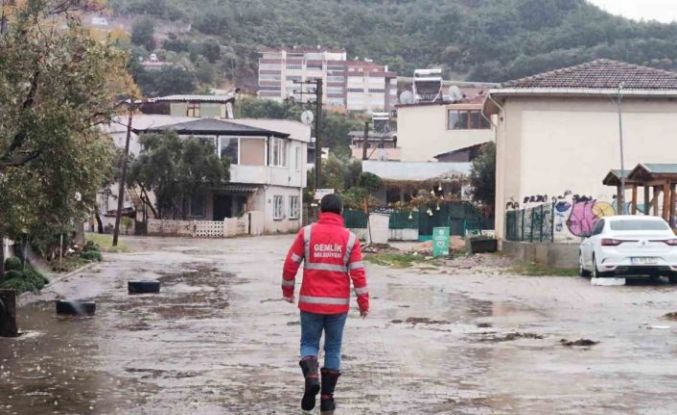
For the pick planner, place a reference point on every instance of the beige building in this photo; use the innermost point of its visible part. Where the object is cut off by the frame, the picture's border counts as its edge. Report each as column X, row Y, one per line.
column 427, row 130
column 558, row 136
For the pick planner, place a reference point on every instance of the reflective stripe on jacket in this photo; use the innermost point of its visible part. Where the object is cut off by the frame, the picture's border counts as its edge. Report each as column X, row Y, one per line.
column 332, row 258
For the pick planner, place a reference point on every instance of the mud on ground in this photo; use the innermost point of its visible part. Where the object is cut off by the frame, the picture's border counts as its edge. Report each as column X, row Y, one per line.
column 450, row 339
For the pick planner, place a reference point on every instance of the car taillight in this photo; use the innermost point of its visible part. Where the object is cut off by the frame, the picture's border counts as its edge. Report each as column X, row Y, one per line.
column 671, row 242
column 611, row 242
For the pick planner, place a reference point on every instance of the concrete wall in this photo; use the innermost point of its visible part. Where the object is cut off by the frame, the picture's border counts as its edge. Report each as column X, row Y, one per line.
column 565, row 147
column 264, row 202
column 422, row 132
column 555, row 255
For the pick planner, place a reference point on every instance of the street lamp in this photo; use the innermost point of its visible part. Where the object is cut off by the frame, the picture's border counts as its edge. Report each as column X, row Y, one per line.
column 621, row 196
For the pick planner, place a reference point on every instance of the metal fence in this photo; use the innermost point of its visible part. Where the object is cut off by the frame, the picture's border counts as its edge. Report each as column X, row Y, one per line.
column 535, row 224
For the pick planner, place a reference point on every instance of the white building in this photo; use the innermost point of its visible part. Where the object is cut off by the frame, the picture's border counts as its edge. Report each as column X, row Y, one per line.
column 349, row 85
column 267, row 173
column 558, row 137
column 427, row 131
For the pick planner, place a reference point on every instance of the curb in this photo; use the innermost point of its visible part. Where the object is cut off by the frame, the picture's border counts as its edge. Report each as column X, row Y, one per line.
column 53, row 281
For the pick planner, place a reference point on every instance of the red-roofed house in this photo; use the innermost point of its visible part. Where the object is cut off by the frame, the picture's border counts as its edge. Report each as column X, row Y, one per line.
column 558, row 135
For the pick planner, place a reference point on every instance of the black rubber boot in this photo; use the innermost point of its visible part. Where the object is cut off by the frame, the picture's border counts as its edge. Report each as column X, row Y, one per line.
column 309, row 366
column 329, row 379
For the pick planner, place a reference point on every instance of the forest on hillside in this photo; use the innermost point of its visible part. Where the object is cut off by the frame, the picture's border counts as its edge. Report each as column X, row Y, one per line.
column 479, row 40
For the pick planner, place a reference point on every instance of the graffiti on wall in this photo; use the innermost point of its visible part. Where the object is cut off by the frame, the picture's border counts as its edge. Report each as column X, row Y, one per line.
column 574, row 214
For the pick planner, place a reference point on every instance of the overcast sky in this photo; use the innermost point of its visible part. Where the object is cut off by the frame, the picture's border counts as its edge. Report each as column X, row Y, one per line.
column 661, row 10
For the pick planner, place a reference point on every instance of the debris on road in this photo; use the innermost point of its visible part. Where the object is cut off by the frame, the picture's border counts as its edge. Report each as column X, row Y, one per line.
column 579, row 342
column 671, row 316
column 492, row 337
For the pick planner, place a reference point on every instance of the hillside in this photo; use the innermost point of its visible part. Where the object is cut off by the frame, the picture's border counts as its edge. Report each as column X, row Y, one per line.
column 480, row 40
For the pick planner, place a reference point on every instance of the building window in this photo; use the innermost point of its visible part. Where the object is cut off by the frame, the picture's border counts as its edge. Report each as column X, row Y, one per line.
column 193, row 110
column 198, row 208
column 294, row 207
column 229, row 148
column 278, row 152
column 467, row 120
column 278, row 207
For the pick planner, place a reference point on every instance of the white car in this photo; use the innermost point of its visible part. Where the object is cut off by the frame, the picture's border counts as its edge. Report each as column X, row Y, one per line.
column 629, row 245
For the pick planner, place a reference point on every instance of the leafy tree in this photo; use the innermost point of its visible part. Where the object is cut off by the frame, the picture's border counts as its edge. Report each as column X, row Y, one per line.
column 176, row 170
column 483, row 175
column 168, row 80
column 56, row 86
column 211, row 50
column 143, row 33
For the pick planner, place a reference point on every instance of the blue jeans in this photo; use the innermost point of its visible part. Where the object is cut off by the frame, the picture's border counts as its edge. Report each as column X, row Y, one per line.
column 311, row 330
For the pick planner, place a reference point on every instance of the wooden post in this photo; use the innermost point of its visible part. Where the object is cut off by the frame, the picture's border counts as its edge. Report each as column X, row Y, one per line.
column 654, row 201
column 646, row 199
column 8, row 327
column 620, row 200
column 666, row 201
column 634, row 199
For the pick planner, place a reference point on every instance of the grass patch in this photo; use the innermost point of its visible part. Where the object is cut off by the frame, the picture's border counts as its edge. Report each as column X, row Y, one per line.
column 394, row 260
column 69, row 264
column 531, row 269
column 105, row 242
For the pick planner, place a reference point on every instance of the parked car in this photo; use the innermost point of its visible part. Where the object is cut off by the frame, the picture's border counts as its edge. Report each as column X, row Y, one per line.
column 629, row 246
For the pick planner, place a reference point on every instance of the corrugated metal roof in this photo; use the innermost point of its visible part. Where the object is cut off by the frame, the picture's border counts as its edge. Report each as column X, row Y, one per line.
column 661, row 168
column 415, row 171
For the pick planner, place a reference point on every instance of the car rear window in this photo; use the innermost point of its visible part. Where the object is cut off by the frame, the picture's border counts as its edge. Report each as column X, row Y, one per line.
column 639, row 225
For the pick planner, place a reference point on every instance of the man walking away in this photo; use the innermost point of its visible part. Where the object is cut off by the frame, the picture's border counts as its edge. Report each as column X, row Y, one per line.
column 332, row 257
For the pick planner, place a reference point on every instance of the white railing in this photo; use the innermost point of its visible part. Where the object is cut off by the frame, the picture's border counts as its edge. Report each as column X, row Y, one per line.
column 249, row 224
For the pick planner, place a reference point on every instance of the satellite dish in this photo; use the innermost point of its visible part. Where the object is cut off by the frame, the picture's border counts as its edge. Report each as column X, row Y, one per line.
column 406, row 97
column 307, row 117
column 455, row 93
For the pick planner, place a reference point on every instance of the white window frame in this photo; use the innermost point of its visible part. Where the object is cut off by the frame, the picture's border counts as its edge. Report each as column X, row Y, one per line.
column 294, row 207
column 278, row 207
column 278, row 152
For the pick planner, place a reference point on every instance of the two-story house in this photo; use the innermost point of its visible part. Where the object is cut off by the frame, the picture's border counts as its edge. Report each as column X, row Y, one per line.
column 267, row 173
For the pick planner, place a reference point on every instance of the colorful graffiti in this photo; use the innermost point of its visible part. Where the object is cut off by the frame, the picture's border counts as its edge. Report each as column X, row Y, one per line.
column 574, row 214
column 585, row 214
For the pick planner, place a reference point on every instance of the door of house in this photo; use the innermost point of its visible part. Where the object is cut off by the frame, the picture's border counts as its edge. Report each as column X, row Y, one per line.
column 223, row 207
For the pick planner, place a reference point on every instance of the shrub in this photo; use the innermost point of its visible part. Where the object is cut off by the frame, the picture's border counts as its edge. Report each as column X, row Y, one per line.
column 13, row 274
column 91, row 256
column 13, row 264
column 91, row 246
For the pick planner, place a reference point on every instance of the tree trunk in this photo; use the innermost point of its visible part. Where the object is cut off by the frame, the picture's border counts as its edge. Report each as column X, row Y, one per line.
column 2, row 257
column 99, row 222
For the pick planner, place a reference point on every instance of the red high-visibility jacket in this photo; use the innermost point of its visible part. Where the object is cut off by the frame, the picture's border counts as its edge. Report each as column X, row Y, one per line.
column 332, row 257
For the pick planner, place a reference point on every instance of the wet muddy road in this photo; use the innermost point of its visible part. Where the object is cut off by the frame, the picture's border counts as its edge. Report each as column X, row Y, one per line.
column 217, row 340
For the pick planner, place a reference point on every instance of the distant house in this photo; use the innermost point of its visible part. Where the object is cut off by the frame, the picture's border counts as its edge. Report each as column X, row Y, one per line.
column 195, row 106
column 429, row 130
column 558, row 137
column 402, row 181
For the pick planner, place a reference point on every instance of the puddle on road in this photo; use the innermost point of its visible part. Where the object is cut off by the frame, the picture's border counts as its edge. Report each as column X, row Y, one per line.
column 83, row 366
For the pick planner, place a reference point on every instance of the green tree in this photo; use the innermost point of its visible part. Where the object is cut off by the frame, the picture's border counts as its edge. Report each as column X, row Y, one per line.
column 143, row 33
column 483, row 175
column 57, row 85
column 176, row 170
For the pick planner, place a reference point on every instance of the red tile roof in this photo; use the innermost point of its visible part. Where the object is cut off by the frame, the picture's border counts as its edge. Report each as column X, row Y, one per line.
column 600, row 74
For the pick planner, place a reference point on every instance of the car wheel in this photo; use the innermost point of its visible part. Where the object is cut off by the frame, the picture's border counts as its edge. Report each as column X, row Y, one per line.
column 595, row 271
column 581, row 268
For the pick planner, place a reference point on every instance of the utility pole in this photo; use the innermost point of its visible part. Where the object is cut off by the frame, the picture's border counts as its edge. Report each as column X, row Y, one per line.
column 318, row 141
column 365, row 143
column 123, row 178
column 621, row 195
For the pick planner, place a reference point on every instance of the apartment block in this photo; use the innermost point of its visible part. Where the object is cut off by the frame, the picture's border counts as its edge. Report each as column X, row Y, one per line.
column 349, row 85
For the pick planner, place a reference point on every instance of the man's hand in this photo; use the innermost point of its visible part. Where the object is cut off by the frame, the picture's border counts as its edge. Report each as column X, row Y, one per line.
column 290, row 300
column 364, row 313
